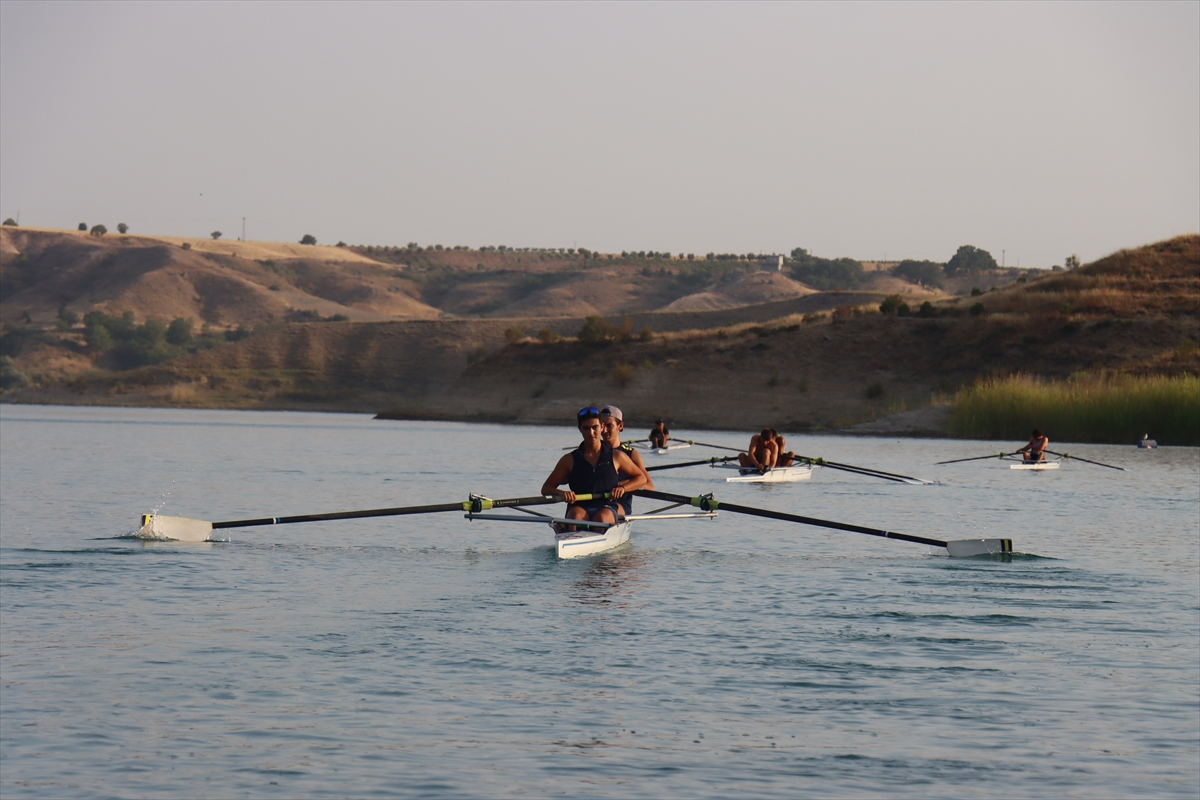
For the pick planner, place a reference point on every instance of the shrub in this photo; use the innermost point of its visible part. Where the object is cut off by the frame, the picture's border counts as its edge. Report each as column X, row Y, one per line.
column 98, row 230
column 646, row 335
column 595, row 330
column 477, row 355
column 547, row 336
column 122, row 227
column 976, row 310
column 10, row 376
column 890, row 304
column 976, row 291
column 179, row 332
column 308, row 238
column 903, row 310
column 10, row 221
column 875, row 390
column 513, row 334
column 926, row 310
column 237, row 334
column 815, row 316
column 83, row 227
column 215, row 235
column 825, row 273
column 622, row 374
column 186, row 245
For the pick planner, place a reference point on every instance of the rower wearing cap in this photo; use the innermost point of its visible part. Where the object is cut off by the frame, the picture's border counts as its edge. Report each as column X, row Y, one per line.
column 612, row 422
column 593, row 468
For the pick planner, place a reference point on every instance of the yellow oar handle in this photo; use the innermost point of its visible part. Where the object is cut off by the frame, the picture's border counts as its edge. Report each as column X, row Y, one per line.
column 477, row 504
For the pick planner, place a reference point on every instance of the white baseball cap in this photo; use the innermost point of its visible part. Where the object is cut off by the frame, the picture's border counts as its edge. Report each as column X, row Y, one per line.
column 612, row 411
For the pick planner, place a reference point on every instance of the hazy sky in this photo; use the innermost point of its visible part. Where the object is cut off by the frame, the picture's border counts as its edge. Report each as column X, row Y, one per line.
column 851, row 129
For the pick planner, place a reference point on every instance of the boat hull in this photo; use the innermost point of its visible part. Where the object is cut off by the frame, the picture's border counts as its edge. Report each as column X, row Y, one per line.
column 1039, row 465
column 586, row 543
column 797, row 472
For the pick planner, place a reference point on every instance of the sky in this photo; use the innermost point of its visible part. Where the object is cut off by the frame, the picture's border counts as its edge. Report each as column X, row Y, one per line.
column 868, row 130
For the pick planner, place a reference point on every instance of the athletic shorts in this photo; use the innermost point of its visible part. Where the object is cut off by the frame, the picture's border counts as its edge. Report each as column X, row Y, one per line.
column 594, row 506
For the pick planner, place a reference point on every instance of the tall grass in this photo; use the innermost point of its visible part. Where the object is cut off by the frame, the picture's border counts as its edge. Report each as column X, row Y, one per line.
column 1106, row 408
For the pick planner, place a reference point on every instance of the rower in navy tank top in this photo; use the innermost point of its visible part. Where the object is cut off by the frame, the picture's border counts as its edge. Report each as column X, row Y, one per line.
column 593, row 468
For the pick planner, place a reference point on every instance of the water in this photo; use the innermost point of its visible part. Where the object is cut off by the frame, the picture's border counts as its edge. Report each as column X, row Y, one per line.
column 430, row 656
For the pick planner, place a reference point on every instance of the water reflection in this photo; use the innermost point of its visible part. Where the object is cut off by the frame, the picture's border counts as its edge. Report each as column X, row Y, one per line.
column 610, row 578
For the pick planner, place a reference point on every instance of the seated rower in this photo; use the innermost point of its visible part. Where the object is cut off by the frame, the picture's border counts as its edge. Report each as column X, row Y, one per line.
column 659, row 435
column 612, row 423
column 785, row 457
column 1146, row 443
column 762, row 453
column 593, row 468
column 1036, row 449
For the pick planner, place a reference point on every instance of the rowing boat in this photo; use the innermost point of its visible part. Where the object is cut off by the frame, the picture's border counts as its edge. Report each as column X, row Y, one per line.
column 1035, row 465
column 796, row 472
column 662, row 451
column 576, row 538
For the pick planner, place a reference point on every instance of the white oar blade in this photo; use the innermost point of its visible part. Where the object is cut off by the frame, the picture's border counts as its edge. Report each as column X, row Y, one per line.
column 182, row 529
column 965, row 548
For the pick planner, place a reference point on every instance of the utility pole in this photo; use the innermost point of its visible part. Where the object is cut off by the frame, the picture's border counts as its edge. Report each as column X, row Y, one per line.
column 1002, row 258
column 243, row 229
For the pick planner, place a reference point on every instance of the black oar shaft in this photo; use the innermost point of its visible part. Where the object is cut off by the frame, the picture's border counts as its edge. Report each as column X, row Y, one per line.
column 718, row 460
column 709, row 504
column 870, row 473
column 715, row 446
column 393, row 512
column 977, row 458
column 1077, row 458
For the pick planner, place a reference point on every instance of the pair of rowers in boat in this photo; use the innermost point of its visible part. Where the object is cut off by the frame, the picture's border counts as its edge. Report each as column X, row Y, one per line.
column 600, row 465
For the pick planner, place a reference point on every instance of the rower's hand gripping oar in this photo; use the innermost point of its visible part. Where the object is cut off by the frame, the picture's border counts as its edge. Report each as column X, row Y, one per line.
column 197, row 530
column 1077, row 458
column 961, row 548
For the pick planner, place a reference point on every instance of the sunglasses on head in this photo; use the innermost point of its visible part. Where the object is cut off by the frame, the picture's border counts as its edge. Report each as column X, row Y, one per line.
column 589, row 411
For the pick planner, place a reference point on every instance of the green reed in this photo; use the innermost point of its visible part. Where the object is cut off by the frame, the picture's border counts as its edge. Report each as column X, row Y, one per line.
column 1106, row 408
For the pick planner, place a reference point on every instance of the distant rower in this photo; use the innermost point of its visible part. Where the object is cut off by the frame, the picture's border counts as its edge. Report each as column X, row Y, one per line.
column 1036, row 449
column 763, row 453
column 1147, row 443
column 659, row 435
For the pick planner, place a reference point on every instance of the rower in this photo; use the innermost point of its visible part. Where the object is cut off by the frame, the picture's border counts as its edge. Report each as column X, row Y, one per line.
column 785, row 457
column 659, row 435
column 1146, row 443
column 763, row 452
column 612, row 422
column 593, row 468
column 1036, row 449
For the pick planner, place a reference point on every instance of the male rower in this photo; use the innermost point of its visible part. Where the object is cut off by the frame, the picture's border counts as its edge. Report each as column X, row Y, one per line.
column 763, row 452
column 784, row 457
column 1036, row 449
column 593, row 468
column 612, row 422
column 659, row 435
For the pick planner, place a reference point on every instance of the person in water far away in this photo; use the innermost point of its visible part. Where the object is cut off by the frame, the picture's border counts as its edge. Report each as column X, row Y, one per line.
column 612, row 423
column 659, row 435
column 593, row 468
column 1036, row 449
column 763, row 452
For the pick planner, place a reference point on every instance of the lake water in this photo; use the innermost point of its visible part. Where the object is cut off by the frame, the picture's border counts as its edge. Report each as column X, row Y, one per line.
column 435, row 657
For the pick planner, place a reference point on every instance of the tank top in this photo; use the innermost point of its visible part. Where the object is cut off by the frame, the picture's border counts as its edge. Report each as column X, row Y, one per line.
column 626, row 501
column 586, row 479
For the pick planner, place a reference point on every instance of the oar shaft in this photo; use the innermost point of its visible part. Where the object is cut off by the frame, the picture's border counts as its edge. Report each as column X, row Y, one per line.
column 469, row 505
column 718, row 460
column 1077, row 458
column 715, row 446
column 871, row 471
column 709, row 504
column 977, row 458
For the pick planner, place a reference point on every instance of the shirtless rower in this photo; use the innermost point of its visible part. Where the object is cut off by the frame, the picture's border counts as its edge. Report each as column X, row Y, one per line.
column 784, row 457
column 659, row 435
column 1036, row 449
column 763, row 452
column 593, row 468
column 612, row 422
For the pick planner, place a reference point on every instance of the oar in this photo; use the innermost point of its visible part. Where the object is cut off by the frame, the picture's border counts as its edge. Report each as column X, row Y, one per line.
column 198, row 530
column 711, row 461
column 868, row 471
column 961, row 548
column 715, row 446
column 977, row 458
column 1077, row 458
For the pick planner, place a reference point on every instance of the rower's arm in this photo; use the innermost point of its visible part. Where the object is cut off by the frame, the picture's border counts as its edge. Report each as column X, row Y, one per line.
column 625, row 466
column 636, row 458
column 560, row 475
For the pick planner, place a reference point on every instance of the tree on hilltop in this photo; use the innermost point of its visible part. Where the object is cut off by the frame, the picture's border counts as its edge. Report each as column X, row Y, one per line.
column 98, row 230
column 926, row 273
column 122, row 227
column 308, row 239
column 10, row 221
column 83, row 226
column 216, row 235
column 970, row 260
